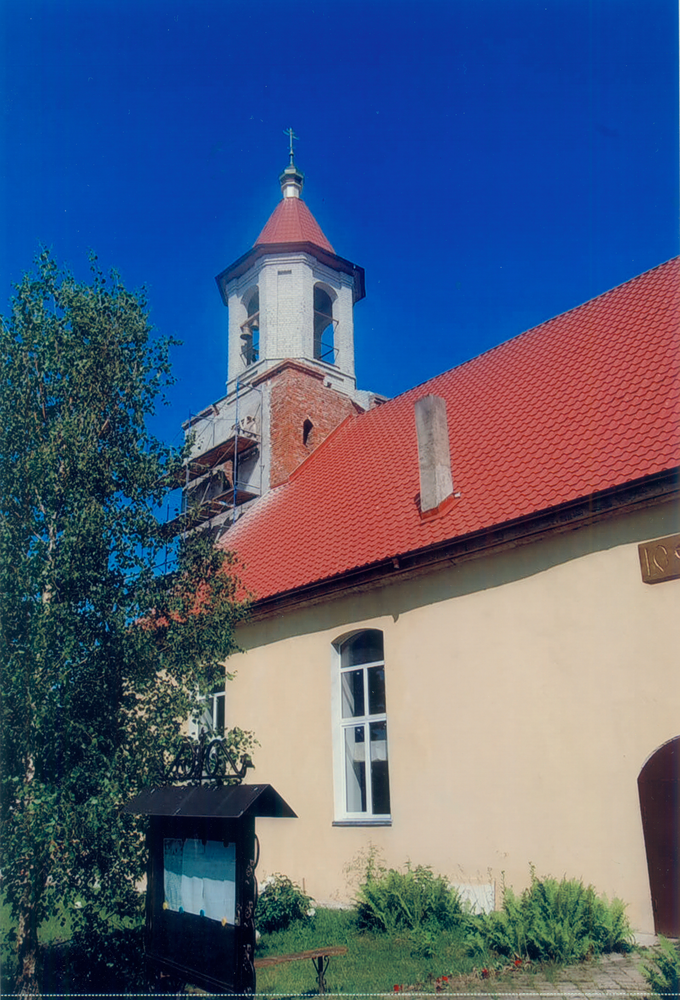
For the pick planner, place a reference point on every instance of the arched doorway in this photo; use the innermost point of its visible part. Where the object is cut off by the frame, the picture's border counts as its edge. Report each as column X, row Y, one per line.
column 659, row 788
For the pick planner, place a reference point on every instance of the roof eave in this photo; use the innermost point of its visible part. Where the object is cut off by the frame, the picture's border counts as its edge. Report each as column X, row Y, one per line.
column 332, row 260
column 627, row 497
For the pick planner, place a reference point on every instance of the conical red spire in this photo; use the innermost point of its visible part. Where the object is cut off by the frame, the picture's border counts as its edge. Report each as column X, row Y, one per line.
column 292, row 222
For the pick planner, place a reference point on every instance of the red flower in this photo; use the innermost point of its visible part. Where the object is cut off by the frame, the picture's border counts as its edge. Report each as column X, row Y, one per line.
column 518, row 962
column 445, row 979
column 485, row 973
column 397, row 988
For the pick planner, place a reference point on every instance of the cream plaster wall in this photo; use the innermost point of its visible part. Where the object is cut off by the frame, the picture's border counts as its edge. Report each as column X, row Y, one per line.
column 525, row 691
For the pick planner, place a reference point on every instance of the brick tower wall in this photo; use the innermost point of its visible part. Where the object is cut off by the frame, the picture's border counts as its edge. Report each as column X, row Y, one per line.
column 298, row 395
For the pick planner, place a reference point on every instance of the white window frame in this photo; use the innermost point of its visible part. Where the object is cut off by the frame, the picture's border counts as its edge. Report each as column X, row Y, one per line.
column 210, row 714
column 343, row 815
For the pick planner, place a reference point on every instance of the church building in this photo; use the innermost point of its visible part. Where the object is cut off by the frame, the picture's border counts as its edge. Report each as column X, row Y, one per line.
column 472, row 662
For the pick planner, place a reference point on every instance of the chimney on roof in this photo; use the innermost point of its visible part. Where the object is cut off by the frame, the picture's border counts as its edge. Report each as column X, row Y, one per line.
column 434, row 457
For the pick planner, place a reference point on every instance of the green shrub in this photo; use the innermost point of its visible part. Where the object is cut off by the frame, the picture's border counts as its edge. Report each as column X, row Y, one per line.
column 663, row 969
column 423, row 943
column 388, row 899
column 280, row 903
column 555, row 921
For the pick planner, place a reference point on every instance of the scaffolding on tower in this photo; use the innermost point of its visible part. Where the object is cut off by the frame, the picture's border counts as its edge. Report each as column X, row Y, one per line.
column 224, row 470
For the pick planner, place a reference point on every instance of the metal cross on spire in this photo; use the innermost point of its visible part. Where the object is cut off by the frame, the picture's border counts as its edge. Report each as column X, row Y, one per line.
column 291, row 135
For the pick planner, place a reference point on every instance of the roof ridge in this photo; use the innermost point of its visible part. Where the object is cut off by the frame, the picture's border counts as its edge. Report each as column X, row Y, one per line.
column 594, row 298
column 531, row 329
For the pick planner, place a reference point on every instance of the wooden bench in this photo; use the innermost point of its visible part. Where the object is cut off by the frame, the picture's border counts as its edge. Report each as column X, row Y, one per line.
column 320, row 958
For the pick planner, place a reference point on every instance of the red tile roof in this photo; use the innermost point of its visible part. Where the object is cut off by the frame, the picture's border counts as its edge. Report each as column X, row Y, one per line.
column 292, row 222
column 587, row 401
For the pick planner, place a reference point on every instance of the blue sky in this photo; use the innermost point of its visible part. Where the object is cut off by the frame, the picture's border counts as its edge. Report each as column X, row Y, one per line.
column 490, row 163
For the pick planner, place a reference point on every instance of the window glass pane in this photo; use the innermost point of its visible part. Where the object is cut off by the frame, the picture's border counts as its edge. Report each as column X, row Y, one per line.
column 218, row 712
column 376, row 690
column 355, row 769
column 206, row 719
column 380, row 786
column 364, row 647
column 352, row 694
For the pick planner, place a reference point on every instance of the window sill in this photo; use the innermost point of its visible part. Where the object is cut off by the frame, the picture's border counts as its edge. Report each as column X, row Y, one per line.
column 369, row 821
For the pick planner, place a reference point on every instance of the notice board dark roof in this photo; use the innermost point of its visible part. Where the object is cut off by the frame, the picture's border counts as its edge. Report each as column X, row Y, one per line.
column 226, row 802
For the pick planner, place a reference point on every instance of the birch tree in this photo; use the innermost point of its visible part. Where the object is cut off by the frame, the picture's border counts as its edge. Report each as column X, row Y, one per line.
column 101, row 655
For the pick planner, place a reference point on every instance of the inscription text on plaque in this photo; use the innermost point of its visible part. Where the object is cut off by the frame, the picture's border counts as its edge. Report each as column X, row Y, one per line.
column 660, row 559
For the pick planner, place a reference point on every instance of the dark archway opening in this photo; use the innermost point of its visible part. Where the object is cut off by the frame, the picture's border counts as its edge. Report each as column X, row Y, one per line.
column 324, row 327
column 659, row 788
column 250, row 331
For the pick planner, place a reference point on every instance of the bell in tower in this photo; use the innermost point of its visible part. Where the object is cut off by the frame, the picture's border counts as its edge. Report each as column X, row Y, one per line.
column 250, row 336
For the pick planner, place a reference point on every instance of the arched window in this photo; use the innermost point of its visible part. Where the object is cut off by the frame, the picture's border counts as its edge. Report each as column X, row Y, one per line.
column 324, row 326
column 307, row 436
column 361, row 737
column 250, row 330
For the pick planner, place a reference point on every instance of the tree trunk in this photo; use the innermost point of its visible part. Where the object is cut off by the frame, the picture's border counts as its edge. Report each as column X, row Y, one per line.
column 28, row 954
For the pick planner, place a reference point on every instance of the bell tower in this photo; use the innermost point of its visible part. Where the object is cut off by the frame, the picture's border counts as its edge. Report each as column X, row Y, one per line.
column 291, row 377
column 292, row 296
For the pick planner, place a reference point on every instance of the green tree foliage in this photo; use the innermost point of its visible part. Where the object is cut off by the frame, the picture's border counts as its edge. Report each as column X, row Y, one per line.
column 101, row 655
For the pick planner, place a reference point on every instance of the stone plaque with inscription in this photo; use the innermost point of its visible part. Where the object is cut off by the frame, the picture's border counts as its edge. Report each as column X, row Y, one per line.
column 660, row 559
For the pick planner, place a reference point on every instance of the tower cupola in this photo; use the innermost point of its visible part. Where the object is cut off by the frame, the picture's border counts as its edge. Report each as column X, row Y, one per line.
column 291, row 297
column 291, row 181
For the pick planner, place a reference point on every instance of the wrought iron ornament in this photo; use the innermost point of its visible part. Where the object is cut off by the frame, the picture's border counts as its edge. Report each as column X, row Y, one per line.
column 207, row 760
column 249, row 891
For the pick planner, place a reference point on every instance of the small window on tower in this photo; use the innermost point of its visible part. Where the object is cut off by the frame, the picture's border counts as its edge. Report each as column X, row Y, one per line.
column 324, row 327
column 307, row 429
column 250, row 331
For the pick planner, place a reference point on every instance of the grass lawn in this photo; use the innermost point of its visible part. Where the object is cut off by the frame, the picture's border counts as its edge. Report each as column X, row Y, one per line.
column 62, row 972
column 375, row 963
column 429, row 961
column 53, row 931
